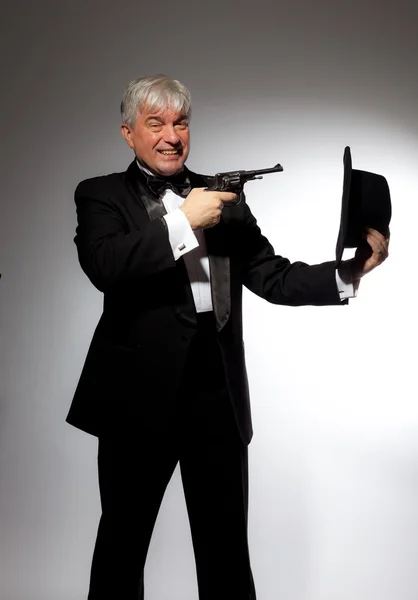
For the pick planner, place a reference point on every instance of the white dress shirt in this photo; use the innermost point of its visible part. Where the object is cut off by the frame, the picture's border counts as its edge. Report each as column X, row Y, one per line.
column 191, row 245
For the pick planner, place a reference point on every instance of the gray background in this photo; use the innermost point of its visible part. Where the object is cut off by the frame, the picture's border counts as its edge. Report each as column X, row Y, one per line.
column 334, row 460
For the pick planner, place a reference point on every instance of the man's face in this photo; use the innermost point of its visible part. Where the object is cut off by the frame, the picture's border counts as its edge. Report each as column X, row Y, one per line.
column 160, row 140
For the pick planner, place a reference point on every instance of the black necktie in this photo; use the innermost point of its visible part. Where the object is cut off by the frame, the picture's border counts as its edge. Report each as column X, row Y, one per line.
column 179, row 184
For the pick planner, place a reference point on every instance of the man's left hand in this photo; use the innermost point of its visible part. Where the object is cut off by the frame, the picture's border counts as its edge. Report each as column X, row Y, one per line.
column 369, row 257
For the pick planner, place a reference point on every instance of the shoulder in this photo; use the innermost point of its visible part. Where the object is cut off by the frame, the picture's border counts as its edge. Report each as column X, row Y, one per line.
column 102, row 184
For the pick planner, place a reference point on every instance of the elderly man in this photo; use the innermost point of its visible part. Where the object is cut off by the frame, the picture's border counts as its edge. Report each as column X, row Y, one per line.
column 164, row 380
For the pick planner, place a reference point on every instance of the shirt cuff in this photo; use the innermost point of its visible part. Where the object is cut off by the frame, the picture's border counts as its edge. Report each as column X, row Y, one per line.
column 347, row 288
column 180, row 234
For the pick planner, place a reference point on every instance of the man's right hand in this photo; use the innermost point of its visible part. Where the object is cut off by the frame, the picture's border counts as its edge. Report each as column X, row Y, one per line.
column 203, row 208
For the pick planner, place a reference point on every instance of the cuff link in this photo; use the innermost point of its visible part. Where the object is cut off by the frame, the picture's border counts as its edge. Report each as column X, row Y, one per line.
column 181, row 247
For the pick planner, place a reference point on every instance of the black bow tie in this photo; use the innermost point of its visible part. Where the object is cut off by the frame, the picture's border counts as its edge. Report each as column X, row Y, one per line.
column 179, row 184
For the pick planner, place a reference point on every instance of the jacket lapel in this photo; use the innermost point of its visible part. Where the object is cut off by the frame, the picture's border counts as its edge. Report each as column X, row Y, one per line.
column 153, row 207
column 219, row 273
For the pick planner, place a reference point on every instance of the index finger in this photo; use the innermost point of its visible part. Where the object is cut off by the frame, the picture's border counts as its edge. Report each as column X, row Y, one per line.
column 227, row 196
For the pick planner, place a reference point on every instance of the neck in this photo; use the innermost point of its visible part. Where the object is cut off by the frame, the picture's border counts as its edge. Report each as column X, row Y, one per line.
column 145, row 168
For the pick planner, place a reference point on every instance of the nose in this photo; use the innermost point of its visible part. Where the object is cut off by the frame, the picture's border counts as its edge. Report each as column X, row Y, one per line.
column 170, row 135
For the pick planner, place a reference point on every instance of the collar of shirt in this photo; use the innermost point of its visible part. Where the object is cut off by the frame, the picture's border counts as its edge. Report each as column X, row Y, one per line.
column 142, row 168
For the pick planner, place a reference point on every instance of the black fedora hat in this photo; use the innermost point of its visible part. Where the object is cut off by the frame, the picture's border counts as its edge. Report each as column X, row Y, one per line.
column 366, row 203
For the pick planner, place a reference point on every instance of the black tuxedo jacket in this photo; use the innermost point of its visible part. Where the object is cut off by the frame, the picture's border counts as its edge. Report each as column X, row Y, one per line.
column 137, row 355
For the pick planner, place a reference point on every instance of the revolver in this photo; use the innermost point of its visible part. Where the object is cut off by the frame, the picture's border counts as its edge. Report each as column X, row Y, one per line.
column 233, row 181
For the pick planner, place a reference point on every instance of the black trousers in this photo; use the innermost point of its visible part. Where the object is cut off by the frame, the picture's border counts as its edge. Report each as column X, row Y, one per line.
column 134, row 471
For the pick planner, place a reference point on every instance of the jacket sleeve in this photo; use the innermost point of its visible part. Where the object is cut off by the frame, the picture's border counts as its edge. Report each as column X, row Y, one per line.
column 279, row 281
column 109, row 253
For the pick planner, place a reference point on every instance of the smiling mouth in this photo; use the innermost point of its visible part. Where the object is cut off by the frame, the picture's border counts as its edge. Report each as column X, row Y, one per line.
column 169, row 152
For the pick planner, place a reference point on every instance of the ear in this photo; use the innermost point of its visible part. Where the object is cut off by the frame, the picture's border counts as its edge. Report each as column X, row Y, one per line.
column 126, row 132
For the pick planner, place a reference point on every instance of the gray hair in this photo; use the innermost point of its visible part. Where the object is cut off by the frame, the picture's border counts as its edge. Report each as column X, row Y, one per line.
column 155, row 92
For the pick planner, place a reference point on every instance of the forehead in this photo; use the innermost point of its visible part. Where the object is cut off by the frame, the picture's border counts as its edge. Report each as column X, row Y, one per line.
column 163, row 114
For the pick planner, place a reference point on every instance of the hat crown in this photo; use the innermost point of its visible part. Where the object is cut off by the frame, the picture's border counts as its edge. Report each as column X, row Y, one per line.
column 365, row 203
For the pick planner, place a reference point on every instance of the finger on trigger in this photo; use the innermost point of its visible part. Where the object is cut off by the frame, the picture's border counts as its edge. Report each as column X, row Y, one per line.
column 232, row 196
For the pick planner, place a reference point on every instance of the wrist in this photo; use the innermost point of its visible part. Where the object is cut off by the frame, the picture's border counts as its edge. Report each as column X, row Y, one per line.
column 191, row 223
column 355, row 270
column 350, row 271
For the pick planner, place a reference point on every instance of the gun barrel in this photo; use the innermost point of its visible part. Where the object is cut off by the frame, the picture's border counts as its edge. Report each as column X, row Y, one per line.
column 274, row 169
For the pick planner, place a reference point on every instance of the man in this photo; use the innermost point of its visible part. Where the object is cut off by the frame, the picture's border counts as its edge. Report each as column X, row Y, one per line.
column 164, row 379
